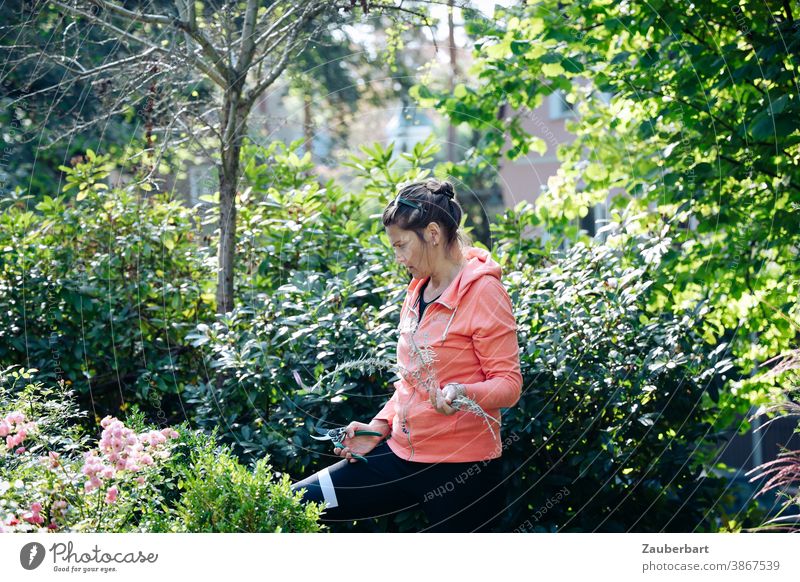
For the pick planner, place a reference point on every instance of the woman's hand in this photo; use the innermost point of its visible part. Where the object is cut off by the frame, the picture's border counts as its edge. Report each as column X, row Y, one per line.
column 442, row 398
column 360, row 445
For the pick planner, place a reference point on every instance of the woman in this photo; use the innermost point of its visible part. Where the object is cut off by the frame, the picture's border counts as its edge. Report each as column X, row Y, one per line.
column 457, row 339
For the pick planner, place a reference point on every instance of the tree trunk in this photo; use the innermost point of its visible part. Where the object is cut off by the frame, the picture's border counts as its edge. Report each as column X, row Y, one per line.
column 451, row 130
column 308, row 123
column 233, row 130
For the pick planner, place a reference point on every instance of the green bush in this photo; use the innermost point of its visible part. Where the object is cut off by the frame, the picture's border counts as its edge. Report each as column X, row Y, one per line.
column 221, row 495
column 100, row 290
column 621, row 401
column 47, row 466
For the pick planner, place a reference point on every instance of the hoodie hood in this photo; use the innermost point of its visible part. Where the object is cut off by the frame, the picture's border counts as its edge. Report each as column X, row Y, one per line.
column 479, row 263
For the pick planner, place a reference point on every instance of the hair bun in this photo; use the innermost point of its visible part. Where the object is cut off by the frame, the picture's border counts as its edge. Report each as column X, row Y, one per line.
column 444, row 187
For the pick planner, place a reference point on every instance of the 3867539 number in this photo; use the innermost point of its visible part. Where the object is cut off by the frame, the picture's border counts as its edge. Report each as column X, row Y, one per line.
column 758, row 565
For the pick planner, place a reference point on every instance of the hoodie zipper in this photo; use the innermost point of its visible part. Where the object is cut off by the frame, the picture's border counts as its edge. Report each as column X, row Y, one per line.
column 404, row 420
column 419, row 320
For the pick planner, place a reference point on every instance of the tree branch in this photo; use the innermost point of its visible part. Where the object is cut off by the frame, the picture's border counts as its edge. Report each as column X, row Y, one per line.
column 159, row 19
column 278, row 68
column 248, row 37
column 189, row 27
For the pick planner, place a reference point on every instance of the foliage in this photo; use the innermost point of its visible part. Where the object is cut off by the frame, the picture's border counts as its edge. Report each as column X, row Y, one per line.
column 621, row 406
column 693, row 112
column 319, row 287
column 36, row 124
column 221, row 495
column 118, row 268
column 133, row 479
column 56, row 482
column 621, row 396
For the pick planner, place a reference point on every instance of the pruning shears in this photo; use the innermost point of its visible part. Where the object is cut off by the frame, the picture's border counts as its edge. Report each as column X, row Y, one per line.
column 337, row 435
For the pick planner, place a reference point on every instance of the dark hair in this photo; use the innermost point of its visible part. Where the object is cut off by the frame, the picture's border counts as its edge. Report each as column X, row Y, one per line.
column 437, row 203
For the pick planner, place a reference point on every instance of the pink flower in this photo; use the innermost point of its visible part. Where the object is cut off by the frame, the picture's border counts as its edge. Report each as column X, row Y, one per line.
column 5, row 428
column 36, row 507
column 111, row 494
column 106, row 421
column 33, row 517
column 15, row 417
column 20, row 450
column 170, row 433
column 54, row 459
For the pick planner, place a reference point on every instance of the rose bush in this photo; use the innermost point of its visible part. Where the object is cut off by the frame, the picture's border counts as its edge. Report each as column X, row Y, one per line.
column 132, row 479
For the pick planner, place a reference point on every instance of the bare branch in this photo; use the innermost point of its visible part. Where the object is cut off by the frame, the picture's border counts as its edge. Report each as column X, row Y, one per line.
column 107, row 25
column 248, row 37
column 137, row 58
column 159, row 19
column 207, row 47
column 216, row 70
column 187, row 11
column 264, row 36
column 279, row 67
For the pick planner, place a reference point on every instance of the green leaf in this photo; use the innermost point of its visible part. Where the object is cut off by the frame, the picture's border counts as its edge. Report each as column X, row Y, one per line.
column 596, row 172
column 552, row 69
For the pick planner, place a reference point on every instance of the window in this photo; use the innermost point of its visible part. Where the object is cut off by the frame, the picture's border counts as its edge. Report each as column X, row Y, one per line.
column 558, row 106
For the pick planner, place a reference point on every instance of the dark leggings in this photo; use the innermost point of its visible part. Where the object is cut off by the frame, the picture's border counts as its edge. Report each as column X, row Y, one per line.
column 456, row 497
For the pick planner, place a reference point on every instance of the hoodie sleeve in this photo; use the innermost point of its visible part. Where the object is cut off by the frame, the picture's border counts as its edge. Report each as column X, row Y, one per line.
column 494, row 338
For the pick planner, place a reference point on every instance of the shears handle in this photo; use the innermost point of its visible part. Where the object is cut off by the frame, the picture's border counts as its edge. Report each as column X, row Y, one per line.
column 359, row 433
column 368, row 433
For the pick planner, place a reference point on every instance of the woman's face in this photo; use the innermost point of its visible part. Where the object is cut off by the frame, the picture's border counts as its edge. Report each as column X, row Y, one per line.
column 410, row 251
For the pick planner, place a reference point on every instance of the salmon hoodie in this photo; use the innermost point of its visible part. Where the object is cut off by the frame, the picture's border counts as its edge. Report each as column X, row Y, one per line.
column 469, row 334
